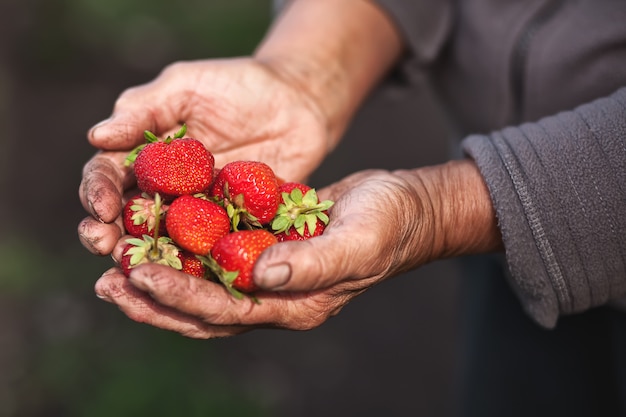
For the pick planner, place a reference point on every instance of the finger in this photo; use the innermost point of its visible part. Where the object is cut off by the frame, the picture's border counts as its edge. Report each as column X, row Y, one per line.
column 118, row 250
column 316, row 263
column 146, row 107
column 209, row 301
column 115, row 288
column 104, row 179
column 99, row 238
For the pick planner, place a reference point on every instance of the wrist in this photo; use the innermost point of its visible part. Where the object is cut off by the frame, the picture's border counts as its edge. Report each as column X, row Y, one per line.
column 334, row 64
column 458, row 211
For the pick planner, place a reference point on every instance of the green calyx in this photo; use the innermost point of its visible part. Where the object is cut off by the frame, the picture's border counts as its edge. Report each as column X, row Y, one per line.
column 225, row 277
column 300, row 211
column 132, row 156
column 241, row 217
column 160, row 251
column 152, row 138
column 146, row 212
column 238, row 215
column 178, row 135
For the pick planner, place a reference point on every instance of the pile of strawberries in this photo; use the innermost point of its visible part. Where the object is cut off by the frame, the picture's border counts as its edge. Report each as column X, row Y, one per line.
column 207, row 222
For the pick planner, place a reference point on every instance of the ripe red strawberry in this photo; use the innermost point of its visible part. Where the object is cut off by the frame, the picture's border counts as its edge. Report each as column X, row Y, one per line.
column 160, row 251
column 192, row 265
column 172, row 167
column 249, row 191
column 156, row 248
column 303, row 234
column 233, row 256
column 125, row 261
column 301, row 215
column 140, row 213
column 195, row 223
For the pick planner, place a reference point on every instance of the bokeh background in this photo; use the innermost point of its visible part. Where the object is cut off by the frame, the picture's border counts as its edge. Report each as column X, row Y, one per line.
column 65, row 353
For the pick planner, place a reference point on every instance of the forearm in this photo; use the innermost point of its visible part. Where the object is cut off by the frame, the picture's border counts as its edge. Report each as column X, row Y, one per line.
column 334, row 51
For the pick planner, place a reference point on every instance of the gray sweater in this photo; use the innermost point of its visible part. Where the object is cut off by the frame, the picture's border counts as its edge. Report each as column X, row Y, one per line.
column 534, row 92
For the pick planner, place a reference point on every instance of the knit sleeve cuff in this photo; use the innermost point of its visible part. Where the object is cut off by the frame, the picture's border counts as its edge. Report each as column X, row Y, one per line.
column 559, row 190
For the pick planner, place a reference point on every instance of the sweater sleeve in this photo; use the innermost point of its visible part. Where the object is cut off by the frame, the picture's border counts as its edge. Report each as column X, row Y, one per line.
column 423, row 24
column 559, row 190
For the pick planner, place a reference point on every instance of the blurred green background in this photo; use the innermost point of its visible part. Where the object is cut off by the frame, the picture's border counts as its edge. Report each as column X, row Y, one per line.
column 65, row 353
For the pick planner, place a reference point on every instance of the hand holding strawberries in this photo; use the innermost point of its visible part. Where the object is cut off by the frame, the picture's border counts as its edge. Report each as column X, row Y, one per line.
column 315, row 278
column 382, row 223
column 241, row 109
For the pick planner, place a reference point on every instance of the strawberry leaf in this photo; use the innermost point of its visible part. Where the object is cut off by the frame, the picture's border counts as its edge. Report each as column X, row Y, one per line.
column 132, row 156
column 280, row 224
column 325, row 205
column 323, row 217
column 136, row 241
column 296, row 196
column 299, row 222
column 228, row 277
column 137, row 255
column 234, row 292
column 181, row 132
column 138, row 217
column 168, row 254
column 282, row 209
column 150, row 137
column 311, row 222
column 225, row 277
column 310, row 198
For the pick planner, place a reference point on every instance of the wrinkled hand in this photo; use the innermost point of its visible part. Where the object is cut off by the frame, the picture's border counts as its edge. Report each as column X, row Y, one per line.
column 380, row 225
column 239, row 108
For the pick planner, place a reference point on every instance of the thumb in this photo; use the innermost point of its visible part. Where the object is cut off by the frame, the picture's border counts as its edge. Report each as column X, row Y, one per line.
column 307, row 265
column 119, row 132
column 136, row 110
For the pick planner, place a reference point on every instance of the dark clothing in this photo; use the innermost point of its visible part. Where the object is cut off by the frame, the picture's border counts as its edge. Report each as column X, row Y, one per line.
column 535, row 92
column 559, row 187
column 558, row 183
column 513, row 367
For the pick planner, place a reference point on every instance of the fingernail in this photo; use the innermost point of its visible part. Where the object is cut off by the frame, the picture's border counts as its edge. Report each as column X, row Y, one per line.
column 94, row 212
column 95, row 128
column 104, row 297
column 275, row 276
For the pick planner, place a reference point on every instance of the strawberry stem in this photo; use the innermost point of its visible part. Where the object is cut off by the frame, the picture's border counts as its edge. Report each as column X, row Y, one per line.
column 157, row 215
column 223, row 276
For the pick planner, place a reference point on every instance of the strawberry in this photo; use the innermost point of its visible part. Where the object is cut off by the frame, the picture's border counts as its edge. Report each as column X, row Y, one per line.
column 155, row 248
column 140, row 213
column 233, row 256
column 138, row 251
column 161, row 251
column 192, row 265
column 301, row 215
column 249, row 192
column 194, row 223
column 172, row 167
column 305, row 233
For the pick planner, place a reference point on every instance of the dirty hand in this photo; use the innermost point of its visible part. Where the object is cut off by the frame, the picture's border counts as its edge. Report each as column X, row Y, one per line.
column 239, row 108
column 382, row 223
